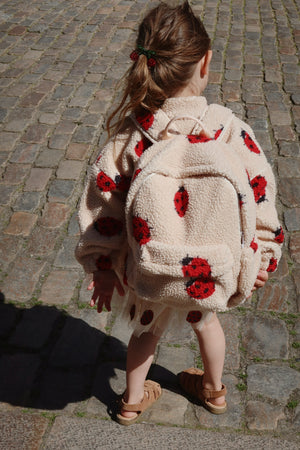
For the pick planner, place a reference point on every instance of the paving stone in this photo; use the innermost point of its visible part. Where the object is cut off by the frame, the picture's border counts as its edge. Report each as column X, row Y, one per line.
column 93, row 318
column 27, row 432
column 265, row 337
column 7, row 140
column 292, row 219
column 170, row 361
column 59, row 141
column 31, row 99
column 36, row 134
column 49, row 118
column 61, row 389
column 15, row 173
column 73, row 229
column 272, row 382
column 49, row 157
column 273, row 297
column 169, row 409
column 42, row 241
column 38, row 179
column 65, row 127
column 29, row 202
column 289, row 191
column 17, row 374
column 261, row 416
column 60, row 190
column 33, row 331
column 69, row 170
column 54, row 215
column 21, row 223
column 25, row 153
column 289, row 167
column 234, row 415
column 9, row 247
column 295, row 247
column 84, row 134
column 59, row 287
column 77, row 346
column 27, row 271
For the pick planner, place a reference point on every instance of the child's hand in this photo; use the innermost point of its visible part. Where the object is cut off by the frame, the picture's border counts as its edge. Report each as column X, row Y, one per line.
column 261, row 280
column 103, row 284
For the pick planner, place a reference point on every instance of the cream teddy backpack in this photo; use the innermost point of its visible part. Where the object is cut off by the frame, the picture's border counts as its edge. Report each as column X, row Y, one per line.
column 190, row 216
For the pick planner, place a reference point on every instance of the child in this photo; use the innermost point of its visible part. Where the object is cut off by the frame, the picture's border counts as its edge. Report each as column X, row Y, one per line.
column 169, row 72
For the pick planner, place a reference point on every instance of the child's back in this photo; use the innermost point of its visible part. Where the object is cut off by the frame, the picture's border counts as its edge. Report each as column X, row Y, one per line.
column 176, row 208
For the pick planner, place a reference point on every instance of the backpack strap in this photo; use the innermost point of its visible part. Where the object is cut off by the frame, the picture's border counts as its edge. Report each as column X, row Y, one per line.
column 165, row 132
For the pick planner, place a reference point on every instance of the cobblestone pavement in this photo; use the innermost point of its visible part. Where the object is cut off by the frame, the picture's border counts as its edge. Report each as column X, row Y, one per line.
column 62, row 364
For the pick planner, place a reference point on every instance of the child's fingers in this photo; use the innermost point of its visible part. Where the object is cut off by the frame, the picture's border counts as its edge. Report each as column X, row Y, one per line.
column 120, row 288
column 91, row 286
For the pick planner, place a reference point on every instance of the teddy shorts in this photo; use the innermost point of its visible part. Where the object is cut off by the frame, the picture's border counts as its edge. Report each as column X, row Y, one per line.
column 152, row 317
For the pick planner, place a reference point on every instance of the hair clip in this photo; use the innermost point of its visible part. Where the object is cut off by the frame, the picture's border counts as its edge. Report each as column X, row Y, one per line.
column 150, row 54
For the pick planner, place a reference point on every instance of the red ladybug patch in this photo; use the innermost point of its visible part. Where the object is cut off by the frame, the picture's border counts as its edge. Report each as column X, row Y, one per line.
column 200, row 288
column 147, row 317
column 141, row 146
column 258, row 185
column 141, row 230
column 279, row 235
column 249, row 142
column 272, row 265
column 136, row 174
column 195, row 267
column 194, row 316
column 105, row 183
column 104, row 263
column 196, row 138
column 146, row 120
column 109, row 226
column 218, row 132
column 181, row 201
column 254, row 245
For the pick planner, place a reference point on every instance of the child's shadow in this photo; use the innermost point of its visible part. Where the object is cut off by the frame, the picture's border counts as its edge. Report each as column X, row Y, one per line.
column 50, row 359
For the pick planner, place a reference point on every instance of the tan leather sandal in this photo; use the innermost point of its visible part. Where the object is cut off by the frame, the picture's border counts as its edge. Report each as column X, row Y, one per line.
column 191, row 382
column 152, row 392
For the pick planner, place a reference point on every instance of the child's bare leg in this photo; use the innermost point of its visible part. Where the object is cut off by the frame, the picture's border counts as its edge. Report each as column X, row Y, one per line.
column 212, row 348
column 139, row 359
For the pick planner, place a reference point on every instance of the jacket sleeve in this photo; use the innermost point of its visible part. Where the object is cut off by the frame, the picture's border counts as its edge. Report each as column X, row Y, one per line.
column 101, row 216
column 269, row 232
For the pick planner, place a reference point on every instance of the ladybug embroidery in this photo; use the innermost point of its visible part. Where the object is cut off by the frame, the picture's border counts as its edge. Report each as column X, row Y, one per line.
column 258, row 185
column 105, row 183
column 195, row 138
column 194, row 316
column 141, row 230
column 123, row 183
column 109, row 226
column 195, row 267
column 254, row 245
column 132, row 312
column 141, row 146
column 146, row 120
column 136, row 174
column 104, row 263
column 279, row 235
column 218, row 132
column 181, row 201
column 147, row 317
column 272, row 265
column 249, row 142
column 199, row 288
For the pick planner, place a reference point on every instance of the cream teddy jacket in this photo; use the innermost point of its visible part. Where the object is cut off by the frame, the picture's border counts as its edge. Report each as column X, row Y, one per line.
column 106, row 234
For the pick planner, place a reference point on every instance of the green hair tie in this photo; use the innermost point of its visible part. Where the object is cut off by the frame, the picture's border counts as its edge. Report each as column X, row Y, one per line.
column 148, row 53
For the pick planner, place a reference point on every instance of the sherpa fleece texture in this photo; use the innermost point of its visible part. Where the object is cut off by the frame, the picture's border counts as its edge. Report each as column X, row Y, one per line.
column 107, row 241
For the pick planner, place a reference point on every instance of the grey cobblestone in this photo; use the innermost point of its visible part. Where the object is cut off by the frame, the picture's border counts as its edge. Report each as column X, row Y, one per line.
column 59, row 66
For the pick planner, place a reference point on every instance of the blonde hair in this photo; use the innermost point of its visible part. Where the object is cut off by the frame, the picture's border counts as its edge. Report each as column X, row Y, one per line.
column 179, row 41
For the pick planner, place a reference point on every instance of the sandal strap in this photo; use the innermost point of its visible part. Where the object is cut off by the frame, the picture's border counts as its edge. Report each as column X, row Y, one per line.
column 152, row 391
column 211, row 393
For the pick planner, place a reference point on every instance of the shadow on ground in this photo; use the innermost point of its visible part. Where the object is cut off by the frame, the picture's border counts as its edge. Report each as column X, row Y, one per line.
column 50, row 359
